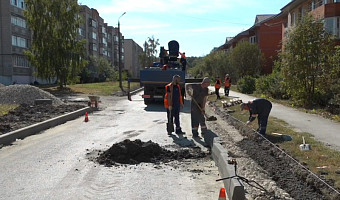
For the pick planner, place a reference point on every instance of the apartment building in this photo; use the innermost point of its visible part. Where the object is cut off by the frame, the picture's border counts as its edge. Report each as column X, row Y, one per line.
column 326, row 10
column 15, row 38
column 132, row 52
column 266, row 33
column 113, row 52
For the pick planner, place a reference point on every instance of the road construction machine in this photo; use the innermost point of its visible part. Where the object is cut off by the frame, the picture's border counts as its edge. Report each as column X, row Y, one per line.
column 155, row 78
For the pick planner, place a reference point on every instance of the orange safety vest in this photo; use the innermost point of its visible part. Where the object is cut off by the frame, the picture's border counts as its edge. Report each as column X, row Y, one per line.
column 182, row 55
column 166, row 103
column 227, row 82
column 218, row 84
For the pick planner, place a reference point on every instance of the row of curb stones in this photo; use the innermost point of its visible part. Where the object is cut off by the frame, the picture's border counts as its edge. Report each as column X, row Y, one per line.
column 8, row 138
column 233, row 186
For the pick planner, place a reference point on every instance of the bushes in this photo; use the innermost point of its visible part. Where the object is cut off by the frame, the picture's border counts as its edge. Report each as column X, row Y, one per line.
column 246, row 85
column 272, row 85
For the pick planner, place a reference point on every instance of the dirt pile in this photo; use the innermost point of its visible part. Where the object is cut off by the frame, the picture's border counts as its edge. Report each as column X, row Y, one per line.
column 26, row 115
column 25, row 94
column 287, row 173
column 135, row 152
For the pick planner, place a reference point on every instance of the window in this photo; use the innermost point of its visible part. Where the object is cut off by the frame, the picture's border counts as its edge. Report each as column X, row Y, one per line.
column 19, row 3
column 19, row 41
column 293, row 19
column 18, row 21
column 94, row 47
column 81, row 32
column 332, row 26
column 253, row 40
column 104, row 41
column 94, row 23
column 20, row 61
column 94, row 35
column 104, row 30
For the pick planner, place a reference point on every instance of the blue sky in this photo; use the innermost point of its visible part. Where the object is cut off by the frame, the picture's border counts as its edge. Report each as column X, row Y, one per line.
column 197, row 25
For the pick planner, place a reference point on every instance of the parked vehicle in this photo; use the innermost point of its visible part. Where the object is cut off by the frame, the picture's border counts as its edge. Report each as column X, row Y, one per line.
column 154, row 78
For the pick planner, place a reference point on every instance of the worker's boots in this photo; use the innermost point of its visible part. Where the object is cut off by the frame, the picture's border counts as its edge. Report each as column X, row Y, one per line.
column 195, row 134
column 179, row 131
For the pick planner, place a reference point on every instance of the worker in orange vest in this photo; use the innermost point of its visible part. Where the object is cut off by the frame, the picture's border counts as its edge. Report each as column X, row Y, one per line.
column 217, row 87
column 183, row 61
column 173, row 102
column 227, row 85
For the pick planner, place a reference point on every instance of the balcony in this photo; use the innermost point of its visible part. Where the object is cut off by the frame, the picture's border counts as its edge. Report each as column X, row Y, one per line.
column 327, row 10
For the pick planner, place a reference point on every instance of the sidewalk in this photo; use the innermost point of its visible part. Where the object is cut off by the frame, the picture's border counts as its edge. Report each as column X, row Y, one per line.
column 323, row 129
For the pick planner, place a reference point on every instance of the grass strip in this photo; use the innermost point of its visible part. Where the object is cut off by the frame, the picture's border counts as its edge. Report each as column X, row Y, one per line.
column 321, row 159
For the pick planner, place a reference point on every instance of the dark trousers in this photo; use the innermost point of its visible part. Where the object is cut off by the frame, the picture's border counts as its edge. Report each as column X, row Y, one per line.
column 262, row 120
column 174, row 114
column 226, row 91
column 217, row 92
column 197, row 118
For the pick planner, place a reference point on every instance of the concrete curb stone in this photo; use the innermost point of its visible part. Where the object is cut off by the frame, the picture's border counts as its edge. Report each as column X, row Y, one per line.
column 234, row 187
column 10, row 137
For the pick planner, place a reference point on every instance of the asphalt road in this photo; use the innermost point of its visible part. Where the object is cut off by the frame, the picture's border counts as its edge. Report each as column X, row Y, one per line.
column 55, row 164
column 324, row 130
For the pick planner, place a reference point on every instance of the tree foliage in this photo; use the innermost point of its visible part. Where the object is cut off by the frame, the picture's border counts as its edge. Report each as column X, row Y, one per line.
column 247, row 59
column 55, row 50
column 149, row 54
column 307, row 61
column 99, row 69
column 216, row 64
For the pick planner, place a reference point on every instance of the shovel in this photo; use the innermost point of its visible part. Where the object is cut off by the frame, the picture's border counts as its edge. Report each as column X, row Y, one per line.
column 304, row 146
column 170, row 125
column 208, row 118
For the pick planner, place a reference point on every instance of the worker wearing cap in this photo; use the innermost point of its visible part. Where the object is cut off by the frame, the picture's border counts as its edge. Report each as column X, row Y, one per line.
column 227, row 84
column 173, row 102
column 259, row 108
column 199, row 93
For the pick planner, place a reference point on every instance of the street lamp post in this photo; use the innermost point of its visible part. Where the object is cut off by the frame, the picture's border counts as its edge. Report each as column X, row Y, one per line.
column 120, row 54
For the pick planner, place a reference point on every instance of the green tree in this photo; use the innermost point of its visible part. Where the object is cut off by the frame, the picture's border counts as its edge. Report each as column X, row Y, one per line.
column 102, row 68
column 55, row 50
column 217, row 64
column 307, row 61
column 149, row 54
column 246, row 58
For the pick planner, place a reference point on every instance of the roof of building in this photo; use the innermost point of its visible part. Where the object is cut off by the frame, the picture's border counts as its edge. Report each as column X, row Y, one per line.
column 261, row 18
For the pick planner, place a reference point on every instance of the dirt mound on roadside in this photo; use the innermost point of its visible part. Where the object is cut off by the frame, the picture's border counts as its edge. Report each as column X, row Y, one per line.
column 135, row 152
column 26, row 115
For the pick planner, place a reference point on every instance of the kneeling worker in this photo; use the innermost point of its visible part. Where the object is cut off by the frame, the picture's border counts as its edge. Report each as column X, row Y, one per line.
column 259, row 108
column 173, row 102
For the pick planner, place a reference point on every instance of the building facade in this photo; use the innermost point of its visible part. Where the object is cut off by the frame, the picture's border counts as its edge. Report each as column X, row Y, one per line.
column 132, row 51
column 326, row 10
column 266, row 33
column 15, row 38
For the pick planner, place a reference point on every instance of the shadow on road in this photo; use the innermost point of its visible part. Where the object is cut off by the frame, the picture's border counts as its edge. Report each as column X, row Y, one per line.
column 159, row 107
column 182, row 140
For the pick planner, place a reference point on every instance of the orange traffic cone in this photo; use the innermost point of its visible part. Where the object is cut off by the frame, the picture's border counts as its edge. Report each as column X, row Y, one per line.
column 86, row 117
column 222, row 194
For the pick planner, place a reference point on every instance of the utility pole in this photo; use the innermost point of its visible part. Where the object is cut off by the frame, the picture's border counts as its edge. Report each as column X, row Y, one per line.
column 120, row 54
